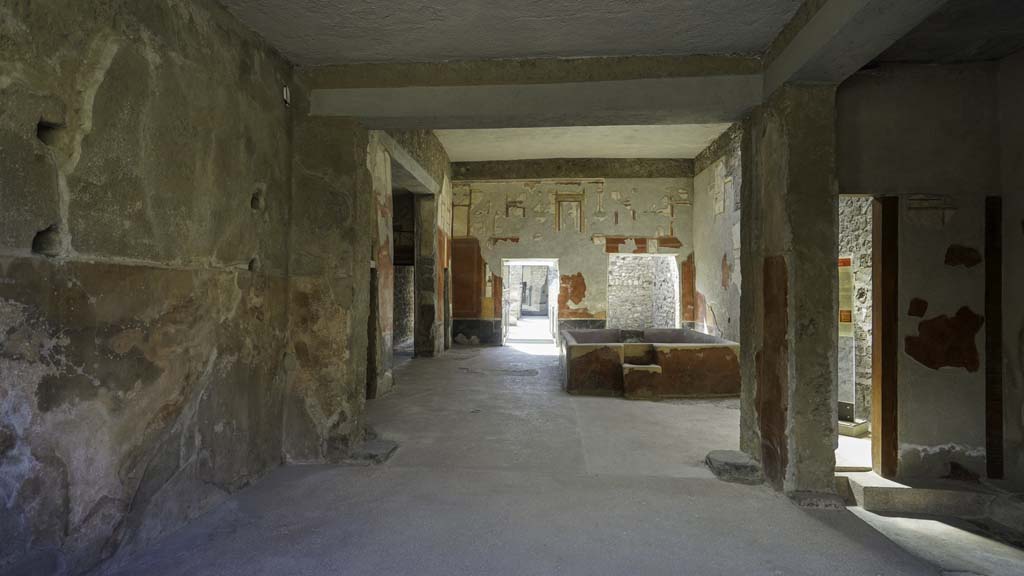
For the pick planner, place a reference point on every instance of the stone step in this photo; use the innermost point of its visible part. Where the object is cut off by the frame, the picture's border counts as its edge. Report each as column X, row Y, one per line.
column 734, row 466
column 876, row 494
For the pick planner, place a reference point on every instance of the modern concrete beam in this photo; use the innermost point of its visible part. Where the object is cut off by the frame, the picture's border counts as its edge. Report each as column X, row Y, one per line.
column 683, row 100
column 523, row 71
column 843, row 36
column 573, row 168
column 406, row 172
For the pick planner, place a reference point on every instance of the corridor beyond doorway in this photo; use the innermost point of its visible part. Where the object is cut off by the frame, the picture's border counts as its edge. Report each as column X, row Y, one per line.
column 531, row 329
column 530, row 300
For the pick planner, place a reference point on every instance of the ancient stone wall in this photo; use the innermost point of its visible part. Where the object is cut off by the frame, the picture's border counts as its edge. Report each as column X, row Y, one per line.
column 145, row 184
column 642, row 292
column 855, row 243
column 941, row 180
column 716, row 233
column 184, row 273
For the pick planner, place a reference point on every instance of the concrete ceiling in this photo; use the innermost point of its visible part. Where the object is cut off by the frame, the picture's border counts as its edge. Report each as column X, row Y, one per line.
column 672, row 141
column 318, row 32
column 963, row 31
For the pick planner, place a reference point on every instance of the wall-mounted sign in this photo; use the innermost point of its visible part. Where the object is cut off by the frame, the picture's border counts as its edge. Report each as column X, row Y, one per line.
column 846, row 297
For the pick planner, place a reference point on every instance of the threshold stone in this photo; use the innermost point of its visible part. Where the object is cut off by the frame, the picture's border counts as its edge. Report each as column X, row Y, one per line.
column 734, row 466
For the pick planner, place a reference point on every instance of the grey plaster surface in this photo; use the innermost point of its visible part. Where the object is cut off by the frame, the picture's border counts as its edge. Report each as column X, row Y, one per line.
column 643, row 101
column 334, row 31
column 672, row 141
column 500, row 472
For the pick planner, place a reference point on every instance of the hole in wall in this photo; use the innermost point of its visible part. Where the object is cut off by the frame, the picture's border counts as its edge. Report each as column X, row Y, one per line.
column 48, row 132
column 255, row 265
column 47, row 242
column 258, row 201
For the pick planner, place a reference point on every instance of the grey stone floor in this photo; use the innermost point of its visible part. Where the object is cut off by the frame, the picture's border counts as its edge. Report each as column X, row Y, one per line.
column 499, row 472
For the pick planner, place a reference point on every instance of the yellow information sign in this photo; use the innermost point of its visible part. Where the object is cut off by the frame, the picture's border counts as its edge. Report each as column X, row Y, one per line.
column 846, row 297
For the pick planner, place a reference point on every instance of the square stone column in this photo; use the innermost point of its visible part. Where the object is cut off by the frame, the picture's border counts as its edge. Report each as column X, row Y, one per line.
column 789, row 295
column 429, row 330
column 329, row 289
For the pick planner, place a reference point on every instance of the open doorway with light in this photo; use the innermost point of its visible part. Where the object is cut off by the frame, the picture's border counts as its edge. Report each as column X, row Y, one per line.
column 857, row 326
column 530, row 300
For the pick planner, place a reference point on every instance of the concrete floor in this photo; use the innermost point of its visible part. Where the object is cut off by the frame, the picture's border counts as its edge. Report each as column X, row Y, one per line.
column 499, row 472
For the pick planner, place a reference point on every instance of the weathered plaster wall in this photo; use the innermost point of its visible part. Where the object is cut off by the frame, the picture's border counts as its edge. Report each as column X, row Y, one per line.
column 928, row 134
column 716, row 233
column 521, row 219
column 855, row 215
column 1011, row 126
column 142, row 362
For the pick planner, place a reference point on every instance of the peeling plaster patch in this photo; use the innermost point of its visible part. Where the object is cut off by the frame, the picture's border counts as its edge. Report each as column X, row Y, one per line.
column 958, row 255
column 918, row 307
column 573, row 288
column 947, row 342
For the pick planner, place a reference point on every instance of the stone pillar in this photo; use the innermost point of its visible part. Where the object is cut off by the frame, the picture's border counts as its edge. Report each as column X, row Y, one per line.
column 789, row 295
column 329, row 281
column 429, row 332
column 381, row 329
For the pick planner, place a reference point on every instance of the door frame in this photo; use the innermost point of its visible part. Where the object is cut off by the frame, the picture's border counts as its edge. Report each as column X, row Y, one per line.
column 885, row 332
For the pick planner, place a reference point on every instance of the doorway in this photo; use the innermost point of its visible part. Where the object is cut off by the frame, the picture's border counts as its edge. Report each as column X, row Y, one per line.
column 854, row 342
column 530, row 300
column 868, row 333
